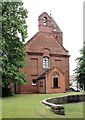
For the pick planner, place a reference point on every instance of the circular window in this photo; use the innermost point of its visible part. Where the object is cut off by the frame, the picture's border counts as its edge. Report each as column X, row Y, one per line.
column 34, row 82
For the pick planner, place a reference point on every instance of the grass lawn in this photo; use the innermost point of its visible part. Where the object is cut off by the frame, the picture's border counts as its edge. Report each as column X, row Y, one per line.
column 29, row 106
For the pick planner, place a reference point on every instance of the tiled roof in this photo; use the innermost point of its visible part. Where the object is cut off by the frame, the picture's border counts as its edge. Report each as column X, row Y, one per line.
column 55, row 26
column 43, row 75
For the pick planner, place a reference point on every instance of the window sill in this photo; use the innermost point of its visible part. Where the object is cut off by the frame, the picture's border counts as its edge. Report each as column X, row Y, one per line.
column 46, row 68
column 34, row 84
column 55, row 87
column 34, row 75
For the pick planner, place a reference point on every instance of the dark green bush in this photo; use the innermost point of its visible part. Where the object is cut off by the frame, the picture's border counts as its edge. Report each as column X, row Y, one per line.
column 6, row 92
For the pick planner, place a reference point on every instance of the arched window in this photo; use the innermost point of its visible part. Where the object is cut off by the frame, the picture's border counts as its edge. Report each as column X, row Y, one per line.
column 45, row 62
column 45, row 20
column 55, row 80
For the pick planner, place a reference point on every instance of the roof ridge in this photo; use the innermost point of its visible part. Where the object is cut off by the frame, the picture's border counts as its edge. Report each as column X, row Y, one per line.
column 55, row 25
column 44, row 13
column 32, row 38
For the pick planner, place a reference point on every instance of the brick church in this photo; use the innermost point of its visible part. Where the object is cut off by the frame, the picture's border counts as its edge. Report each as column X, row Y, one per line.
column 47, row 64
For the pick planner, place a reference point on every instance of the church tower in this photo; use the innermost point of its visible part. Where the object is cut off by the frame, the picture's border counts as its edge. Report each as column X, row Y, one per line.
column 48, row 24
column 44, row 22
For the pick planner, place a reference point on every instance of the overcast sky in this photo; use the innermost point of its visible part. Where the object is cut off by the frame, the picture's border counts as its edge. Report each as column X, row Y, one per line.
column 68, row 14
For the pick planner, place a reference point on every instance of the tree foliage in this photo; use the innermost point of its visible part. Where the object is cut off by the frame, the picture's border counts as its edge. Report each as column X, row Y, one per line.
column 14, row 32
column 80, row 69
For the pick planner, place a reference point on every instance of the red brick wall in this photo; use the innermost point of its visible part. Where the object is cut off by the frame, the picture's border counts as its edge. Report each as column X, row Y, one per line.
column 61, row 82
column 45, row 43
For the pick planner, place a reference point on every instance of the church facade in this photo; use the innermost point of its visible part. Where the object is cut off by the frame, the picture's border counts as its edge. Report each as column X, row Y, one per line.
column 47, row 61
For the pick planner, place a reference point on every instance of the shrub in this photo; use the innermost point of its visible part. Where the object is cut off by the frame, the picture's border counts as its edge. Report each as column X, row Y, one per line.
column 6, row 92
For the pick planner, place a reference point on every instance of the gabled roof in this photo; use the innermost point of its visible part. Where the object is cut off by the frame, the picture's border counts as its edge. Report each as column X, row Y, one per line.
column 46, row 72
column 38, row 33
column 55, row 26
column 43, row 75
column 57, row 69
column 43, row 14
column 31, row 38
column 55, row 29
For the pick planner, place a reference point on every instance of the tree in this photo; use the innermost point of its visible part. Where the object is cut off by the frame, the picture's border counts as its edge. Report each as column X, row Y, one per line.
column 80, row 69
column 14, row 32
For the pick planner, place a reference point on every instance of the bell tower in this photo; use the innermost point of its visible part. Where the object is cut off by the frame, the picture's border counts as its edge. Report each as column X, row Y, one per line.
column 44, row 22
column 47, row 24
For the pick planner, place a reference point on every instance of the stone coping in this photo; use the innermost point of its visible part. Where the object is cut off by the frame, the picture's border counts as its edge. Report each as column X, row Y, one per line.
column 56, row 103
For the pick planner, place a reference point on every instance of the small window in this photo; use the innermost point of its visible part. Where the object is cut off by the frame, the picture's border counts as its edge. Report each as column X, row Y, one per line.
column 45, row 20
column 41, row 84
column 57, row 37
column 45, row 62
column 34, row 82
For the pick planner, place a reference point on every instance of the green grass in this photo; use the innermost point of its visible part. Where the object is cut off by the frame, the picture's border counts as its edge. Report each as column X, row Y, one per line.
column 29, row 106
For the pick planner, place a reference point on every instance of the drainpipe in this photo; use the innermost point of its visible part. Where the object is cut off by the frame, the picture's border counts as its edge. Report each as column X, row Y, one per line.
column 37, row 87
column 45, row 83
